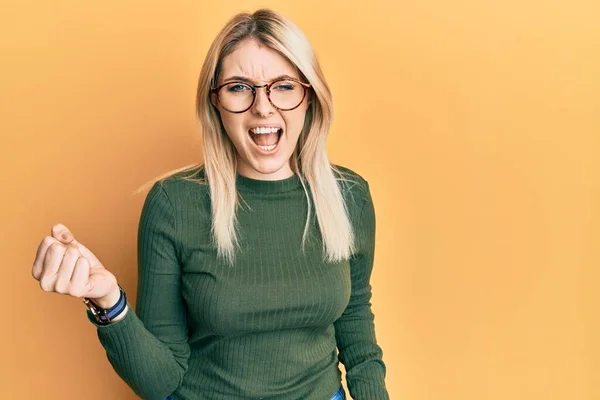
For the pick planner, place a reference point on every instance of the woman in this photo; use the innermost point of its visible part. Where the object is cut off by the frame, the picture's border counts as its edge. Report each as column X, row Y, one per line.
column 253, row 267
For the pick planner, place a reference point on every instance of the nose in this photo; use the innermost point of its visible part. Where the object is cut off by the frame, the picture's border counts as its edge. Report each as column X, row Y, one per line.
column 262, row 107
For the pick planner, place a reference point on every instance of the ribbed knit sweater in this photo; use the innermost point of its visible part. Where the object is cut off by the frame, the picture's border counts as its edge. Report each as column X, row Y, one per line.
column 271, row 326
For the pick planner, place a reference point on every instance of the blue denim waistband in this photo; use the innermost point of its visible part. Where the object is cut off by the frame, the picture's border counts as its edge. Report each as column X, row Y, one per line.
column 339, row 395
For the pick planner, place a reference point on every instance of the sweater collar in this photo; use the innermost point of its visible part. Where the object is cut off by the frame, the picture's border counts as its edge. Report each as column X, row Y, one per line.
column 246, row 184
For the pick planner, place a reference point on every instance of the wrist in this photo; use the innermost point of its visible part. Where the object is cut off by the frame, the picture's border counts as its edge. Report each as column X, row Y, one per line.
column 109, row 300
column 103, row 311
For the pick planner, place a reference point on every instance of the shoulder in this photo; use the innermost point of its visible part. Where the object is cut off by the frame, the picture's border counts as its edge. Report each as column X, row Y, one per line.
column 350, row 181
column 354, row 187
column 183, row 179
column 181, row 184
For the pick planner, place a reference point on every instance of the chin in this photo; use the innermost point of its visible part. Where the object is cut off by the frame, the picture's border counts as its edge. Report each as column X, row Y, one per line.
column 268, row 166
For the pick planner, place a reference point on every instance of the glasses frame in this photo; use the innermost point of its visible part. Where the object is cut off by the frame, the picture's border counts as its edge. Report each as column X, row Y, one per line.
column 267, row 87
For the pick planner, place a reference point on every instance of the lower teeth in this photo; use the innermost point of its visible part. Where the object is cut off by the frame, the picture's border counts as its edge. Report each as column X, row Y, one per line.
column 268, row 148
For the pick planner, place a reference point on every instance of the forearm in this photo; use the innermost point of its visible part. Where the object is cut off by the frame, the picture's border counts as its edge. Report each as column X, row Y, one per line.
column 361, row 355
column 136, row 354
column 151, row 368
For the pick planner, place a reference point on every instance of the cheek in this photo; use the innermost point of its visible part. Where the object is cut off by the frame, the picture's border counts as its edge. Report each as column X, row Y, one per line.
column 295, row 121
column 232, row 124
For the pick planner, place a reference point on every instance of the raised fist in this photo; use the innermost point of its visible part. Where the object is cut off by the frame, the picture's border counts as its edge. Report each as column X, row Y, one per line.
column 65, row 266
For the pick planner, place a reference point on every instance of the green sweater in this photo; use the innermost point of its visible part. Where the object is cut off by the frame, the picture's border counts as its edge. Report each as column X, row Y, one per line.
column 266, row 328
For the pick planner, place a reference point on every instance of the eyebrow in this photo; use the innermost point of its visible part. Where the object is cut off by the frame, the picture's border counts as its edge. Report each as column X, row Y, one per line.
column 244, row 79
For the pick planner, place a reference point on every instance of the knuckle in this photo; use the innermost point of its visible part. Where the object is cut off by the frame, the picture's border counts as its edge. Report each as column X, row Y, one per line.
column 75, row 291
column 62, row 287
column 48, row 240
column 55, row 247
column 82, row 262
column 72, row 251
column 46, row 284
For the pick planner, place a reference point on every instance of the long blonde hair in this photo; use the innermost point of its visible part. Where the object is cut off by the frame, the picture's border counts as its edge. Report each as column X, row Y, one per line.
column 309, row 160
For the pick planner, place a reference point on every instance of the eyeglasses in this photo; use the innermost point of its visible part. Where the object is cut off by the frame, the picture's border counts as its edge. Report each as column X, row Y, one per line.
column 284, row 94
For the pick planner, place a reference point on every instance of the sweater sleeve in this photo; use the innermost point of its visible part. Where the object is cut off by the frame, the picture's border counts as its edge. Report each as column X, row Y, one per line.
column 149, row 348
column 355, row 330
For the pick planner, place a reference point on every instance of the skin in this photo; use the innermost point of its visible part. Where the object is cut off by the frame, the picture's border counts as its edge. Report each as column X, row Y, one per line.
column 261, row 65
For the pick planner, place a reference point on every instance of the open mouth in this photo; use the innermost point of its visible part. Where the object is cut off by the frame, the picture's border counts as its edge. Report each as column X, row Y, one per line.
column 266, row 138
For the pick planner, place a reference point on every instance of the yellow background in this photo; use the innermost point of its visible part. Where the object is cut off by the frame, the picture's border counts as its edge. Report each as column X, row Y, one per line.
column 475, row 122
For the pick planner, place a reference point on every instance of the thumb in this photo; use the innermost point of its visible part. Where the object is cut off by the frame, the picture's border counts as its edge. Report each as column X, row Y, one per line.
column 62, row 234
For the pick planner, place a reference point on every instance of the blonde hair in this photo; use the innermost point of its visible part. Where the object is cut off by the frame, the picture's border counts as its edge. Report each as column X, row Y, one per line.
column 309, row 160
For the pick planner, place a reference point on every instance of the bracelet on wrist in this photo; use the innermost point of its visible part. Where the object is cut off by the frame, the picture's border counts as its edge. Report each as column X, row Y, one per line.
column 104, row 316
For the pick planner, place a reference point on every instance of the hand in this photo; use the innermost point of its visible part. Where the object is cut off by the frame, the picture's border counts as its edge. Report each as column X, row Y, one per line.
column 65, row 266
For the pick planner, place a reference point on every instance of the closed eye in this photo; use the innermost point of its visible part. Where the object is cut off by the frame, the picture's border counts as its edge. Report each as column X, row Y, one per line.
column 284, row 87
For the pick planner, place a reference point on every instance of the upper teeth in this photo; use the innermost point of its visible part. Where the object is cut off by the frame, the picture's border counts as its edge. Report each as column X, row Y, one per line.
column 263, row 130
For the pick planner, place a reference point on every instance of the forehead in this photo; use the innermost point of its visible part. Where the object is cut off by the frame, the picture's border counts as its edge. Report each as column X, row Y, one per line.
column 257, row 62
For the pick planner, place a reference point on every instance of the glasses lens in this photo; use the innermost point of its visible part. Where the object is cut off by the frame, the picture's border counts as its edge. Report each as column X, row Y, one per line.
column 236, row 96
column 286, row 94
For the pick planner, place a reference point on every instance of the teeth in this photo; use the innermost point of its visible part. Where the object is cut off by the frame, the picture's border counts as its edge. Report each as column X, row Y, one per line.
column 264, row 130
column 268, row 148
